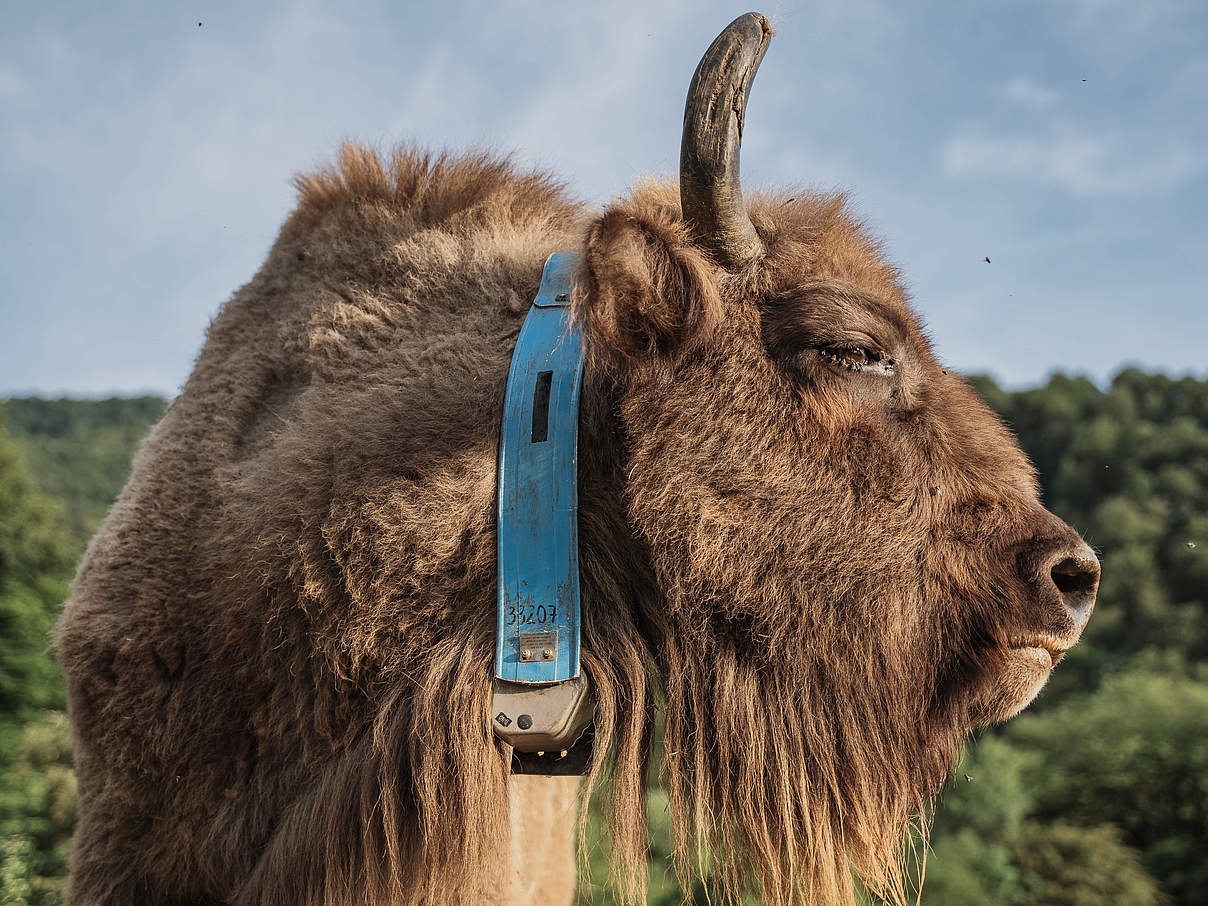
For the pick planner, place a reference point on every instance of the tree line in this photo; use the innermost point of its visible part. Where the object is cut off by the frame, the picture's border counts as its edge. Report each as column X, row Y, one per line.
column 1097, row 795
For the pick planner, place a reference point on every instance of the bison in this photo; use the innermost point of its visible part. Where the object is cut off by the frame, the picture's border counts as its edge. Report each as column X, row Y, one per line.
column 811, row 549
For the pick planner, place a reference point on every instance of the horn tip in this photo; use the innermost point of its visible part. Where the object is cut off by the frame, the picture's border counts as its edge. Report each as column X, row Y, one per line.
column 765, row 24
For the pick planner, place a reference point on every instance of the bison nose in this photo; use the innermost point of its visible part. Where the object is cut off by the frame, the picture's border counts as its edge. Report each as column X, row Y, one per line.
column 1074, row 573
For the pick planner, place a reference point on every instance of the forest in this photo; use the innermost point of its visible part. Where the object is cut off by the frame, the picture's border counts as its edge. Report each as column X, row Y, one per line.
column 1097, row 795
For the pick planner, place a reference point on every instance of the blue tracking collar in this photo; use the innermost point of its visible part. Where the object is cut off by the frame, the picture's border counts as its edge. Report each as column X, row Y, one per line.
column 537, row 634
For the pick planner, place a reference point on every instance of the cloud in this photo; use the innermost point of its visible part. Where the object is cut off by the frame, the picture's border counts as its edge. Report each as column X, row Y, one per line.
column 1082, row 165
column 14, row 87
column 1030, row 93
column 154, row 156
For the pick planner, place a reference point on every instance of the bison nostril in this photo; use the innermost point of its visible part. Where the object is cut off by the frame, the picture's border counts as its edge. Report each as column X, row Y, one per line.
column 1074, row 576
column 1077, row 579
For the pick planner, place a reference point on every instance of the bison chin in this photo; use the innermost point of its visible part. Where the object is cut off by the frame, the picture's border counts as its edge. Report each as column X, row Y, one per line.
column 1023, row 672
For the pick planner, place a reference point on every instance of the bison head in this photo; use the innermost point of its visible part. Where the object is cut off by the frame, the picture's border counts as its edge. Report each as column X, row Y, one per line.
column 853, row 566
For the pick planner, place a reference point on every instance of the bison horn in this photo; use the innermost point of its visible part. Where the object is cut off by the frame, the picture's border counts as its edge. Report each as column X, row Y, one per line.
column 710, row 193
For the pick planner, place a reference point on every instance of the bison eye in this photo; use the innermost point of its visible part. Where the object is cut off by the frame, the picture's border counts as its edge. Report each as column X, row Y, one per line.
column 856, row 358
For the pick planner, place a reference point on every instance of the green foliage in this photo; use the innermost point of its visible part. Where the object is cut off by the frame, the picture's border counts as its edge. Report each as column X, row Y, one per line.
column 16, row 887
column 970, row 859
column 1001, row 837
column 966, row 868
column 988, row 792
column 37, row 789
column 36, row 557
column 1135, row 755
column 79, row 451
column 1062, row 864
column 37, row 813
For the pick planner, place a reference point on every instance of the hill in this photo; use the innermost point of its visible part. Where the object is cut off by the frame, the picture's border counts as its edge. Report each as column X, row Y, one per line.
column 79, row 451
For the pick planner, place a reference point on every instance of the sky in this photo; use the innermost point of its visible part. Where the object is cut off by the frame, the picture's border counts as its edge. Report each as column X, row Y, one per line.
column 146, row 152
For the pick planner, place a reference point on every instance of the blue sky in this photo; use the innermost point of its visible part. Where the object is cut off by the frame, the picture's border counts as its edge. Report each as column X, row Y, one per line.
column 145, row 160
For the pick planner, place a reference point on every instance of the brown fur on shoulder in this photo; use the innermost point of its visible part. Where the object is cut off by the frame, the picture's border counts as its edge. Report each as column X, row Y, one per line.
column 279, row 646
column 814, row 545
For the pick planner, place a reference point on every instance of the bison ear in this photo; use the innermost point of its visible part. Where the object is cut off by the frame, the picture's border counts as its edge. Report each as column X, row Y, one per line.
column 650, row 292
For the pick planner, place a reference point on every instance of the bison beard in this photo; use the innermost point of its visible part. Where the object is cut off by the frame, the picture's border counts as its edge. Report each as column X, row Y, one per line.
column 818, row 551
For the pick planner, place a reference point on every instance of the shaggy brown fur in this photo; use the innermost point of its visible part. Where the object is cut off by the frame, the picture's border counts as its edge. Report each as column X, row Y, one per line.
column 279, row 647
